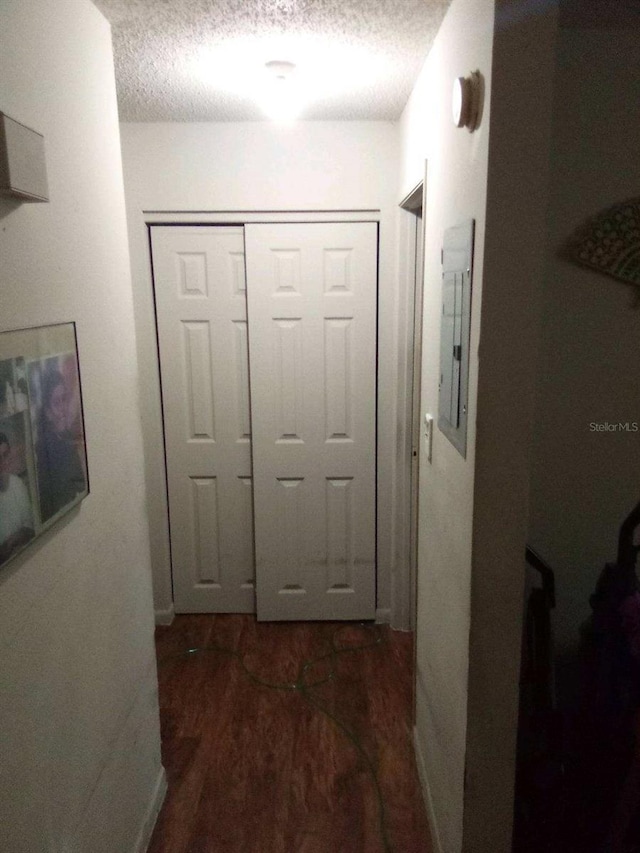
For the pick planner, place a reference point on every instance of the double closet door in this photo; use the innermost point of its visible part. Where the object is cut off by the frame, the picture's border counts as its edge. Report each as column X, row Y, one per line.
column 267, row 342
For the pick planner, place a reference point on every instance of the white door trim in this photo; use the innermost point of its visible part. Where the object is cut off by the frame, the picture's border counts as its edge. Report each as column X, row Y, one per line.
column 392, row 569
column 242, row 217
column 408, row 402
column 246, row 217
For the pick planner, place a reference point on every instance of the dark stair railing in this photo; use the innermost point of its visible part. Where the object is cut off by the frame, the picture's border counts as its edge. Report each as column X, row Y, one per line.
column 627, row 551
column 554, row 778
column 538, row 763
column 548, row 578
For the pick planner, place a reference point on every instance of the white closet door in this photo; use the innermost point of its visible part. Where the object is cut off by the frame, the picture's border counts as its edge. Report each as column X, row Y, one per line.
column 199, row 279
column 312, row 343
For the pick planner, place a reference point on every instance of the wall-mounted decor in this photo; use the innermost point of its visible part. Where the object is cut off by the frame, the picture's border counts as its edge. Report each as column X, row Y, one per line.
column 23, row 168
column 610, row 242
column 43, row 463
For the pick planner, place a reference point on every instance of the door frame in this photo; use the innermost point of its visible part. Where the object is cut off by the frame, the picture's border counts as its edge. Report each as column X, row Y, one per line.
column 241, row 218
column 411, row 269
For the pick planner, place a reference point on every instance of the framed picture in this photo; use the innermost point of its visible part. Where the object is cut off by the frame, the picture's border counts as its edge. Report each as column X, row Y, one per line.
column 43, row 460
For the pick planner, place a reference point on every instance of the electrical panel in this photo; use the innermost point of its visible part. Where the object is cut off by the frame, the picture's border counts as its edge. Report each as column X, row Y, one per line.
column 455, row 327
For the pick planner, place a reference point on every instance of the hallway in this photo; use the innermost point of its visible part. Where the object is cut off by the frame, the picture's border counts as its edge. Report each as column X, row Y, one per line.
column 287, row 738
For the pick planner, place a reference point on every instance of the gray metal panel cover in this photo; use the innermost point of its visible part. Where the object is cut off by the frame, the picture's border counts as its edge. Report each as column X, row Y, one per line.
column 457, row 258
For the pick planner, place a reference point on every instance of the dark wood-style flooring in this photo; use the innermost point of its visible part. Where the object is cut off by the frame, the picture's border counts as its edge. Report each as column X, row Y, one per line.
column 320, row 761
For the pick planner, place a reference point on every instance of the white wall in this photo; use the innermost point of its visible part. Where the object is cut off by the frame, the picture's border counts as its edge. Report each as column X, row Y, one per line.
column 456, row 191
column 259, row 166
column 584, row 483
column 473, row 511
column 79, row 734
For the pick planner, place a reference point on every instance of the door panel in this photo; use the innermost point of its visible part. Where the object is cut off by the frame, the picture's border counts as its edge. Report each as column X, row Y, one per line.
column 312, row 342
column 199, row 281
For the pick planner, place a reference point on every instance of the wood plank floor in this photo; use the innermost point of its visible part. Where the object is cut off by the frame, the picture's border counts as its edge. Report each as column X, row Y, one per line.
column 320, row 761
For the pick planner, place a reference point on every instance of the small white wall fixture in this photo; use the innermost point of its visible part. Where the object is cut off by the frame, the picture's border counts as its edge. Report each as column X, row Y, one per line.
column 23, row 169
column 466, row 101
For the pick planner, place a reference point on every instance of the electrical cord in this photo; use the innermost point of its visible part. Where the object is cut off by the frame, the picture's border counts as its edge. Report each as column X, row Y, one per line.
column 304, row 688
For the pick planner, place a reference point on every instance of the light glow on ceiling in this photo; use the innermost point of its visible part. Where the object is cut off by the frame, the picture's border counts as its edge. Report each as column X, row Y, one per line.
column 324, row 69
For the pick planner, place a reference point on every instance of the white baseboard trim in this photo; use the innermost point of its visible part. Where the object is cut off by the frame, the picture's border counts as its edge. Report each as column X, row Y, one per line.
column 165, row 617
column 383, row 615
column 426, row 794
column 152, row 813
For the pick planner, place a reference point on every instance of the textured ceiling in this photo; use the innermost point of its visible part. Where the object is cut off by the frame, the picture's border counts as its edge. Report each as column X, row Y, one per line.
column 202, row 60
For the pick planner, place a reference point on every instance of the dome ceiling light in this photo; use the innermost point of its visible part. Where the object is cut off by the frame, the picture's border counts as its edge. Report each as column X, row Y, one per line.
column 281, row 98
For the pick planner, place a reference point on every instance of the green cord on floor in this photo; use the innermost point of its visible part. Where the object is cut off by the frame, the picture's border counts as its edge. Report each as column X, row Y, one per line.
column 303, row 688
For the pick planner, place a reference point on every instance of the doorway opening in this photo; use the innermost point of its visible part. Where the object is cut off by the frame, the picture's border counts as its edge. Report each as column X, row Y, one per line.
column 231, row 652
column 414, row 257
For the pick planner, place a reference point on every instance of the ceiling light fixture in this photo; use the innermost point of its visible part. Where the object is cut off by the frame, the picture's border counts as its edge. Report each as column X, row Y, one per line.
column 281, row 98
column 240, row 68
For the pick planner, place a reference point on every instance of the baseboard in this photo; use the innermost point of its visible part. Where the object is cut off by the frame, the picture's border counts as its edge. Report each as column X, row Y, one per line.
column 383, row 615
column 426, row 794
column 152, row 813
column 165, row 617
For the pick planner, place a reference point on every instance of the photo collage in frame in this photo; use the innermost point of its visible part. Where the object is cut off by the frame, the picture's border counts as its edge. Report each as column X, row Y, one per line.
column 43, row 462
